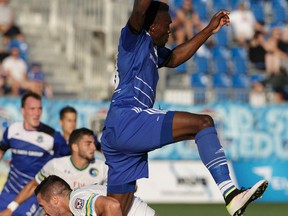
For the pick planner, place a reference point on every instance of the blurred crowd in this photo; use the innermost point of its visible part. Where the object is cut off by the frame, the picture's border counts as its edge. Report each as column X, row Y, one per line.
column 253, row 50
column 17, row 73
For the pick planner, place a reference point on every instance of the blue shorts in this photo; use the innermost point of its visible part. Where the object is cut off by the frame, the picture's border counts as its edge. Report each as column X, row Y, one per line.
column 126, row 140
column 29, row 207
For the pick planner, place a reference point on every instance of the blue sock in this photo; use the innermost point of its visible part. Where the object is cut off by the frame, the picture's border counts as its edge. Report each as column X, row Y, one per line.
column 213, row 156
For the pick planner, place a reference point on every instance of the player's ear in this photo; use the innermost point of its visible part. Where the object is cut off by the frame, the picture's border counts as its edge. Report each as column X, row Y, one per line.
column 74, row 147
column 55, row 200
column 22, row 111
column 152, row 28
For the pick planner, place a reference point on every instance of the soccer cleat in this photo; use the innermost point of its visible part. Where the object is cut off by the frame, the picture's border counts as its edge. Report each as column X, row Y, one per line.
column 240, row 201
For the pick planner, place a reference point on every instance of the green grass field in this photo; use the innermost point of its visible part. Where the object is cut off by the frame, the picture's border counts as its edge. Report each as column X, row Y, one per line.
column 257, row 209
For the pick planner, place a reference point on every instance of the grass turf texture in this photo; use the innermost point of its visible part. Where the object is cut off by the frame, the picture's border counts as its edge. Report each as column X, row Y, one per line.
column 254, row 209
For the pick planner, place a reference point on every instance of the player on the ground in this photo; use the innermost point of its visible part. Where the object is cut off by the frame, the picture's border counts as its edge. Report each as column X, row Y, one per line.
column 133, row 127
column 57, row 198
column 79, row 169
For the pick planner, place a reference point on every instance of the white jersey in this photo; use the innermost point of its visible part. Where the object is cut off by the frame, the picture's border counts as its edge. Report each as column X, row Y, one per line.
column 95, row 172
column 82, row 202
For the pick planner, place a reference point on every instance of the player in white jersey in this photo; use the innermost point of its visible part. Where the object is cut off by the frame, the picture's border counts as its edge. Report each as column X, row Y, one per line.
column 79, row 169
column 57, row 198
column 95, row 172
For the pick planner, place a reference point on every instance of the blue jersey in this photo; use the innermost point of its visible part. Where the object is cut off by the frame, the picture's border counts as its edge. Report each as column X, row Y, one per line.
column 30, row 151
column 137, row 66
column 132, row 126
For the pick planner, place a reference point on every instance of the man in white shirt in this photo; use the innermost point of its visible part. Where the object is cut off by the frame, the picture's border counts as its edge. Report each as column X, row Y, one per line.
column 15, row 69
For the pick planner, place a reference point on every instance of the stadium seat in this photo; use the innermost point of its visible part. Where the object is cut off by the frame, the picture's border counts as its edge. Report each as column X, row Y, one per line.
column 177, row 3
column 202, row 10
column 220, row 51
column 221, row 81
column 221, row 84
column 258, row 10
column 220, row 4
column 280, row 14
column 222, row 38
column 181, row 68
column 241, row 87
column 220, row 65
column 202, row 64
column 239, row 52
column 199, row 80
column 199, row 84
column 239, row 66
column 278, row 3
column 240, row 81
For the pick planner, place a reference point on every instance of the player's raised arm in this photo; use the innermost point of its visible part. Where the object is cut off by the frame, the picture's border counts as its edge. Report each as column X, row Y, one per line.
column 185, row 51
column 136, row 20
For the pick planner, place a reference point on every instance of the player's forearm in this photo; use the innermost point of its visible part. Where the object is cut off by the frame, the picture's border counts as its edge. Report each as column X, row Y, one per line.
column 141, row 6
column 137, row 17
column 26, row 192
column 185, row 51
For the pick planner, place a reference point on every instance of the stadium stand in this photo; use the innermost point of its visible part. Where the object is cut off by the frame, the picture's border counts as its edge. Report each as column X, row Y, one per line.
column 76, row 42
column 230, row 69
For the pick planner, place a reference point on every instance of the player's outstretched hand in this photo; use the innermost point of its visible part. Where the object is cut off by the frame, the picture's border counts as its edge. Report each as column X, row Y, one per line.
column 218, row 20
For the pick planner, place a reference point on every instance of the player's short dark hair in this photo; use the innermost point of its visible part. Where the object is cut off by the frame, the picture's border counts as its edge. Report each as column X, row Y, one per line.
column 152, row 11
column 29, row 94
column 66, row 109
column 52, row 185
column 77, row 135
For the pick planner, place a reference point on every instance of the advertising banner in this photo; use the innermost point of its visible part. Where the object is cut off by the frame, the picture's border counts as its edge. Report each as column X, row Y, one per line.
column 255, row 140
column 276, row 172
column 179, row 182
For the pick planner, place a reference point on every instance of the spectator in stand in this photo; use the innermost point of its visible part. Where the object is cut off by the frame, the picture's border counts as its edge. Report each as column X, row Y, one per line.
column 7, row 20
column 277, row 55
column 257, row 50
column 15, row 69
column 257, row 96
column 36, row 81
column 19, row 41
column 186, row 23
column 3, row 82
column 243, row 24
column 280, row 95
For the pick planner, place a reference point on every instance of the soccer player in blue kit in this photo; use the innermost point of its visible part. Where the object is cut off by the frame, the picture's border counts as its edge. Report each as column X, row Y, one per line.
column 133, row 127
column 32, row 144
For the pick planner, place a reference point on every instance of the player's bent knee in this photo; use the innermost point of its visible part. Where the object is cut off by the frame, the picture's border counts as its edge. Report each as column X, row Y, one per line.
column 206, row 121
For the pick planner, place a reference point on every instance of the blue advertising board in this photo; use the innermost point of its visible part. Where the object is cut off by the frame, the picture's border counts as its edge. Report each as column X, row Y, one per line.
column 255, row 139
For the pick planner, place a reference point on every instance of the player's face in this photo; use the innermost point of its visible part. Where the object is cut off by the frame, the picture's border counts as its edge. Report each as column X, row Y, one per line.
column 31, row 111
column 68, row 122
column 160, row 30
column 87, row 147
column 52, row 208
